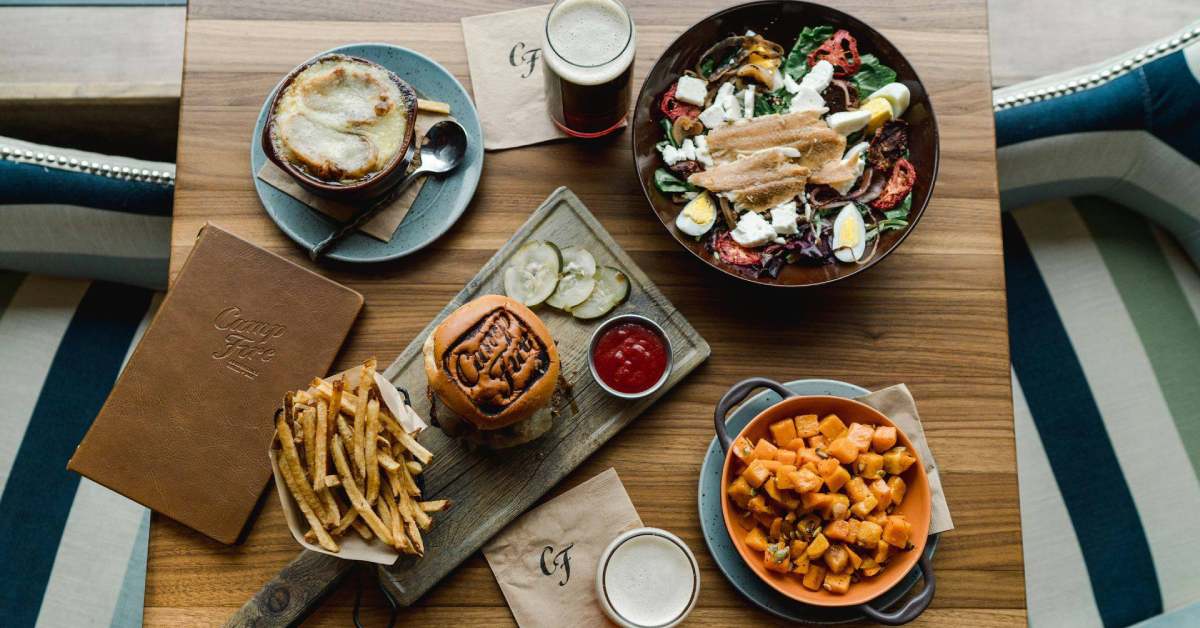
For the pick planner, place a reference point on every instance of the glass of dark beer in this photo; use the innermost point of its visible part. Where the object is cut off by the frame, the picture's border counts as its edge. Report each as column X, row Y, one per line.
column 588, row 66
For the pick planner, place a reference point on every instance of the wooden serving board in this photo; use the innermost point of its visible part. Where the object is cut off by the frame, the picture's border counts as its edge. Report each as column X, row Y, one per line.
column 490, row 488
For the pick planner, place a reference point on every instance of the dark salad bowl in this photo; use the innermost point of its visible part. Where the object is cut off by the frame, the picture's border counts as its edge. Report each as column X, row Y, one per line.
column 781, row 21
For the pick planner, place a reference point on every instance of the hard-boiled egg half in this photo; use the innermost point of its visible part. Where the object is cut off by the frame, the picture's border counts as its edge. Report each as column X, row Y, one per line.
column 698, row 216
column 849, row 235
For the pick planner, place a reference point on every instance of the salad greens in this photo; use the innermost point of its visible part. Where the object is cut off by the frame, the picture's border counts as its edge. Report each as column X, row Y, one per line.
column 811, row 38
column 666, row 125
column 777, row 101
column 871, row 76
column 668, row 183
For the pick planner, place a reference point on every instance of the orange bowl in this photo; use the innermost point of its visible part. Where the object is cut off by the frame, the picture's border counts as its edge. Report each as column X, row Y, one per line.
column 916, row 504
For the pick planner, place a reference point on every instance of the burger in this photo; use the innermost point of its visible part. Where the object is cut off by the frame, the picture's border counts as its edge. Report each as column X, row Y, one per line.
column 492, row 368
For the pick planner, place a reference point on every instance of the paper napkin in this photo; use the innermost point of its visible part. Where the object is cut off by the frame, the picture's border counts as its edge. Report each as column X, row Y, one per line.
column 896, row 402
column 545, row 561
column 504, row 55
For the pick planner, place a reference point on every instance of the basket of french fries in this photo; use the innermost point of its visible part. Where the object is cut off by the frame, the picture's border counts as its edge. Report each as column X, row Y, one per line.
column 347, row 466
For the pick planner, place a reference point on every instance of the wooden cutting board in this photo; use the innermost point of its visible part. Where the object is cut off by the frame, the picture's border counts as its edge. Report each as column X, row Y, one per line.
column 491, row 488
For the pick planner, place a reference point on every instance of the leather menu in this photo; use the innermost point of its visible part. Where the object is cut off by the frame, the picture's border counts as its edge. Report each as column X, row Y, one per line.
column 186, row 429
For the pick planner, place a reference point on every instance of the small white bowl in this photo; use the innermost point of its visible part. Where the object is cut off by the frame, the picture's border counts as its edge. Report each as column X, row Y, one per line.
column 656, row 581
column 652, row 326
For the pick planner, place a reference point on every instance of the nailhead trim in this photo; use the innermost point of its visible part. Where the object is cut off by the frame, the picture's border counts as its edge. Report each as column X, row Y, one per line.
column 1098, row 78
column 92, row 167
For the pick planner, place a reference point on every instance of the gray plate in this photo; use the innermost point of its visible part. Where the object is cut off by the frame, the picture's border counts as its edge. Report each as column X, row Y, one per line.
column 720, row 546
column 441, row 201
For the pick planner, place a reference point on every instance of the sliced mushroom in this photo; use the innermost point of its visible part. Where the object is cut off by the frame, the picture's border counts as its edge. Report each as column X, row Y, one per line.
column 762, row 75
column 685, row 127
column 727, row 212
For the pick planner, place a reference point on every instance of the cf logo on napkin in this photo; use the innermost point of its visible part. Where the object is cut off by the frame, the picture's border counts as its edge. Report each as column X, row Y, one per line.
column 518, row 55
column 561, row 559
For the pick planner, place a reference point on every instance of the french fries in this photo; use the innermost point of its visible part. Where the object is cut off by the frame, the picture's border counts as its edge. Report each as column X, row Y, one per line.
column 339, row 447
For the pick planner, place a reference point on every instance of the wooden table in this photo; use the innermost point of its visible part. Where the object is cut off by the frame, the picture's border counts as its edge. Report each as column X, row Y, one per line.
column 933, row 315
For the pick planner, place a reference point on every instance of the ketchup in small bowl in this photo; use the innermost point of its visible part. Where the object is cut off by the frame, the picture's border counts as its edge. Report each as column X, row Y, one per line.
column 630, row 356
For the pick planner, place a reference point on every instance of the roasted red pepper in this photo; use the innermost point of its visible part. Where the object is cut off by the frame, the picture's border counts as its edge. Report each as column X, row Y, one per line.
column 904, row 175
column 841, row 50
column 672, row 108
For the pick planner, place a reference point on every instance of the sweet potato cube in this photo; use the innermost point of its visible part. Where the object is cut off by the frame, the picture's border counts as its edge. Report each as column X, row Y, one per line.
column 764, row 519
column 764, row 450
column 869, row 534
column 807, row 425
column 790, row 501
column 870, row 465
column 882, row 493
column 856, row 561
column 837, row 531
column 853, row 536
column 772, row 490
column 860, row 435
column 897, row 460
column 883, row 439
column 827, row 466
column 776, row 527
column 817, row 547
column 800, row 563
column 843, row 450
column 837, row 478
column 756, row 474
column 756, row 539
column 881, row 551
column 857, row 489
column 811, row 466
column 831, row 427
column 743, row 450
column 818, row 441
column 796, row 444
column 797, row 547
column 870, row 567
column 864, row 507
column 899, row 488
column 838, row 508
column 782, row 432
column 807, row 454
column 815, row 501
column 837, row 583
column 814, row 578
column 878, row 517
column 786, row 456
column 805, row 481
column 740, row 492
column 783, row 477
column 770, row 464
column 758, row 504
column 777, row 558
column 746, row 520
column 835, row 557
column 897, row 531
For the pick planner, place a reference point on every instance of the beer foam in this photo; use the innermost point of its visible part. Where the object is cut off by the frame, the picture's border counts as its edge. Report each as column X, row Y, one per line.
column 590, row 41
column 649, row 580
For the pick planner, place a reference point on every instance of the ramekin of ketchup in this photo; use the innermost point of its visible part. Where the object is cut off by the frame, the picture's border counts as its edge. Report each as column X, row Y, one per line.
column 630, row 356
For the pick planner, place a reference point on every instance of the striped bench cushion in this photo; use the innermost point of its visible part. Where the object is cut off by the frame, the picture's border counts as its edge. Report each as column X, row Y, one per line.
column 72, row 553
column 1103, row 307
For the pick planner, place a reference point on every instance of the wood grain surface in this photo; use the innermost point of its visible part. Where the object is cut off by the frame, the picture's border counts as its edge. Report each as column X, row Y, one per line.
column 932, row 315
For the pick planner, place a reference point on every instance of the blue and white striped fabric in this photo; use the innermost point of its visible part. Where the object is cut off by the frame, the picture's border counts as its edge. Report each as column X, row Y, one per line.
column 1104, row 307
column 70, row 213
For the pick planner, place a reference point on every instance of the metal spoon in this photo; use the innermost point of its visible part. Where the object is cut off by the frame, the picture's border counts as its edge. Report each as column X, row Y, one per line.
column 444, row 147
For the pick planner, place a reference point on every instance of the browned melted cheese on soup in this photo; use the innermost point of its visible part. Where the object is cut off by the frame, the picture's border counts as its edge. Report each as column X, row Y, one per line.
column 340, row 120
column 496, row 361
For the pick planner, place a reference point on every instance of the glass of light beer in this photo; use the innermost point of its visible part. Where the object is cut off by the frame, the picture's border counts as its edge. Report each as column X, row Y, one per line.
column 588, row 66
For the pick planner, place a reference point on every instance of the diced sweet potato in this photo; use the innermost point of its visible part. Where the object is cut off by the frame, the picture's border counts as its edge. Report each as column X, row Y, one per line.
column 864, row 507
column 854, row 523
column 783, row 476
column 827, row 466
column 814, row 578
column 818, row 441
column 797, row 547
column 883, row 439
column 800, row 563
column 745, row 519
column 870, row 567
column 869, row 534
column 860, row 435
column 843, row 450
column 772, row 490
column 857, row 489
column 807, row 425
column 782, row 432
column 831, row 427
column 837, row 531
column 758, row 504
column 839, row 507
column 756, row 474
column 856, row 561
column 806, row 481
column 870, row 465
column 899, row 489
column 836, row 557
column 743, row 450
column 756, row 539
column 790, row 500
column 837, row 583
column 786, row 456
column 740, row 492
column 837, row 478
column 881, row 551
column 897, row 460
column 817, row 547
column 882, row 493
column 897, row 531
column 878, row 517
column 796, row 444
column 764, row 450
column 771, row 465
column 777, row 558
column 776, row 527
column 818, row 502
column 811, row 466
column 807, row 454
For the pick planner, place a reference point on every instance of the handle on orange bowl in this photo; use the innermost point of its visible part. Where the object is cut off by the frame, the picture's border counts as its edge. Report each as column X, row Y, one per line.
column 915, row 606
column 734, row 396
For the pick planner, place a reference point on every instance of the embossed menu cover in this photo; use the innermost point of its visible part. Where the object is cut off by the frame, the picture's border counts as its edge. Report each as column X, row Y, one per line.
column 545, row 561
column 186, row 425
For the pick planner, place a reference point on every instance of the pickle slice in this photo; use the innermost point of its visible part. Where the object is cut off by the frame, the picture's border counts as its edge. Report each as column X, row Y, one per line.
column 612, row 288
column 577, row 280
column 532, row 272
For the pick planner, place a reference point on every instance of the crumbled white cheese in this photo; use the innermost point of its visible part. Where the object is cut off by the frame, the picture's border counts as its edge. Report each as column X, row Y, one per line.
column 790, row 84
column 818, row 76
column 725, row 89
column 714, row 116
column 691, row 90
column 783, row 218
column 750, row 33
column 748, row 101
column 670, row 154
column 777, row 80
column 733, row 108
column 702, row 154
column 807, row 99
column 687, row 150
column 752, row 230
